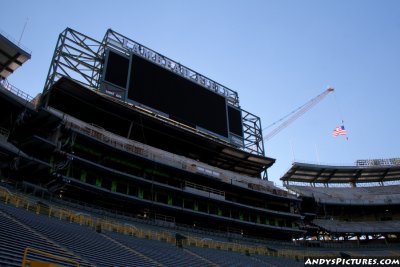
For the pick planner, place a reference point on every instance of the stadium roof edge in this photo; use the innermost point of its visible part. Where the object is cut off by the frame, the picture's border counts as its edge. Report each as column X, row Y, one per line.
column 13, row 55
column 315, row 173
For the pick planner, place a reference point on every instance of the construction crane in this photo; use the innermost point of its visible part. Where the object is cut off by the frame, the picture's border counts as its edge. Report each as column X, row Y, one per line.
column 295, row 114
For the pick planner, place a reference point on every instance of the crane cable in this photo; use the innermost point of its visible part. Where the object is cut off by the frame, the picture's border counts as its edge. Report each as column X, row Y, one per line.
column 341, row 118
column 338, row 107
column 286, row 116
column 295, row 114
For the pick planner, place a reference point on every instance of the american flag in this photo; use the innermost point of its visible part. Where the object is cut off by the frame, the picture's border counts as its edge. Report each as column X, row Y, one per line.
column 339, row 130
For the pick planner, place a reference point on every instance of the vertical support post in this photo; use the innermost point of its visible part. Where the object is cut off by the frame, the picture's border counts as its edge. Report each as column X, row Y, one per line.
column 130, row 130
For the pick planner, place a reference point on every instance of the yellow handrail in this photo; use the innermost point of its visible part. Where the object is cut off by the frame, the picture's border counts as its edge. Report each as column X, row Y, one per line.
column 46, row 254
column 110, row 225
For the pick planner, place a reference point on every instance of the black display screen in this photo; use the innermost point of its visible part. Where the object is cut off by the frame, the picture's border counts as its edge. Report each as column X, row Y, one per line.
column 235, row 121
column 117, row 69
column 183, row 100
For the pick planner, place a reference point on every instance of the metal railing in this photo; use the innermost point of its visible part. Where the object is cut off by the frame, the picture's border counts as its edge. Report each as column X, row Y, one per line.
column 16, row 91
column 127, row 229
column 167, row 158
column 49, row 256
column 81, row 218
column 205, row 188
column 123, row 228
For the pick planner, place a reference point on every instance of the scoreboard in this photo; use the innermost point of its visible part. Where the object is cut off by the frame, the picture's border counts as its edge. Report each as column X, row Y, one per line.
column 137, row 80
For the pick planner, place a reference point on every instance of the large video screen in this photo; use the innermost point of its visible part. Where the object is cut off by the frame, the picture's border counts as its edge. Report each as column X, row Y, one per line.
column 183, row 100
column 117, row 69
column 235, row 121
column 160, row 89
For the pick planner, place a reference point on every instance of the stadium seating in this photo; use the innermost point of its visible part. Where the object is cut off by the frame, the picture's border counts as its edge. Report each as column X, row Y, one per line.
column 73, row 154
column 162, row 252
column 15, row 237
column 358, row 227
column 88, row 245
column 22, row 228
column 227, row 258
column 389, row 194
column 82, row 241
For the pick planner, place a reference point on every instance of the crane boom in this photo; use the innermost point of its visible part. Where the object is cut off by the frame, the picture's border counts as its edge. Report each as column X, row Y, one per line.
column 295, row 114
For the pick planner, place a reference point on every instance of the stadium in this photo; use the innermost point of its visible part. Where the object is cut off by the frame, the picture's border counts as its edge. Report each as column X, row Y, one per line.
column 128, row 158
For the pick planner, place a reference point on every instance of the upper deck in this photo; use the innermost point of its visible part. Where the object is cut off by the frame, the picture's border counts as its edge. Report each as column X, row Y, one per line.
column 12, row 56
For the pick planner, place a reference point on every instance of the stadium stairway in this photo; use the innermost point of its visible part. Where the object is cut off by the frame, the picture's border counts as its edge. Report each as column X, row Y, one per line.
column 167, row 254
column 228, row 258
column 200, row 257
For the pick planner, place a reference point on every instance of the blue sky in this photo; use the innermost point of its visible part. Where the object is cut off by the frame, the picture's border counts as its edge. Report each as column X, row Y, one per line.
column 276, row 54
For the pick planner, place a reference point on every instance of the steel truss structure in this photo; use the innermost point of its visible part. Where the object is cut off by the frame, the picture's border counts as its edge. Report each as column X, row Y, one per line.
column 76, row 56
column 81, row 58
column 253, row 138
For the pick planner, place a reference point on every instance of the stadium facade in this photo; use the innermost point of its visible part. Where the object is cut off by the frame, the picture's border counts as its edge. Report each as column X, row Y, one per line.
column 123, row 127
column 359, row 203
column 120, row 127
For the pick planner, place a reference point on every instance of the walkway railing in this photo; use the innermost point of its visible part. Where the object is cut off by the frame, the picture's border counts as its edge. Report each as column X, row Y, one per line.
column 205, row 188
column 166, row 157
column 101, row 224
column 49, row 256
column 16, row 91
